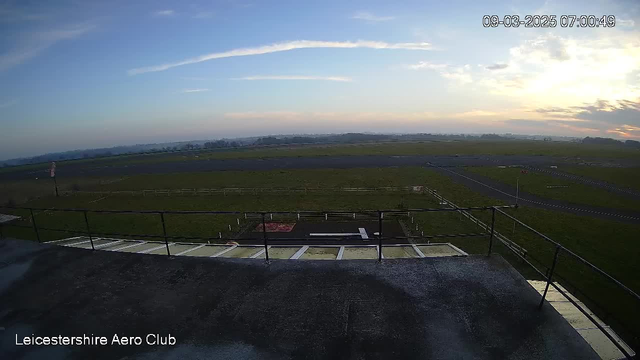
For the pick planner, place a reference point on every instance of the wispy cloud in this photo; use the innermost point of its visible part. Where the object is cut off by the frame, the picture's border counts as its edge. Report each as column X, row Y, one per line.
column 164, row 13
column 287, row 77
column 497, row 66
column 367, row 16
column 193, row 90
column 286, row 46
column 426, row 65
column 8, row 103
column 29, row 47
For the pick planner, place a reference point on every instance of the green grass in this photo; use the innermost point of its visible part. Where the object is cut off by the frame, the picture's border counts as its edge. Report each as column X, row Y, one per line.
column 463, row 147
column 626, row 177
column 26, row 190
column 576, row 192
column 317, row 178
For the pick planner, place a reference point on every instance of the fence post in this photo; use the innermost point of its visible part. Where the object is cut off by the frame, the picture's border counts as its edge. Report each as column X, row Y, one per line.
column 493, row 223
column 86, row 221
column 264, row 236
column 164, row 232
column 35, row 227
column 553, row 266
column 379, row 235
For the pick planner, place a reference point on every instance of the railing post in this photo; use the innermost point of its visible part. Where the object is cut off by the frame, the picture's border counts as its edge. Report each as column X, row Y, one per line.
column 164, row 233
column 379, row 235
column 35, row 227
column 493, row 223
column 553, row 266
column 86, row 221
column 264, row 236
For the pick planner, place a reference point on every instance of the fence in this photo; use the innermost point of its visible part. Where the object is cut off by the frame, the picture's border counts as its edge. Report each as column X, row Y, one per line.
column 262, row 216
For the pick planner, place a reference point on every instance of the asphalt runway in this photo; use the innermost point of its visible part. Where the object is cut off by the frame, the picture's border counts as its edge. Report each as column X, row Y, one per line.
column 318, row 162
column 498, row 190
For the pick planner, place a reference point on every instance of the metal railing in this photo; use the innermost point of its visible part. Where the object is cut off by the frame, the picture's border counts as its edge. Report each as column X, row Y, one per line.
column 370, row 215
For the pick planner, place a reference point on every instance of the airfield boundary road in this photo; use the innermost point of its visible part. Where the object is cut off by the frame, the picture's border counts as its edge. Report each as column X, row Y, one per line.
column 313, row 162
column 498, row 190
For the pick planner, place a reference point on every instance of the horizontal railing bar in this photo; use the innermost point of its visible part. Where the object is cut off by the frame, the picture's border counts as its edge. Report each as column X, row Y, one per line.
column 606, row 333
column 252, row 238
column 322, row 212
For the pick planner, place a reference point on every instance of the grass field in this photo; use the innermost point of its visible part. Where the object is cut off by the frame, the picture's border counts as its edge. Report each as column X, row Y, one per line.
column 625, row 177
column 576, row 192
column 470, row 147
column 610, row 245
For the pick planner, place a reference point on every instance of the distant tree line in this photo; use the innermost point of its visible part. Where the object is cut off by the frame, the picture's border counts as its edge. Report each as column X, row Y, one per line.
column 609, row 141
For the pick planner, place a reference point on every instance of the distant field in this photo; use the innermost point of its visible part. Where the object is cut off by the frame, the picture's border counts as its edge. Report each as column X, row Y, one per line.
column 315, row 178
column 475, row 147
column 626, row 177
column 578, row 193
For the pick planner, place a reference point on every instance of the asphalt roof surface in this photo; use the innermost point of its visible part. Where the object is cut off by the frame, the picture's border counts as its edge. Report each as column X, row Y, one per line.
column 433, row 308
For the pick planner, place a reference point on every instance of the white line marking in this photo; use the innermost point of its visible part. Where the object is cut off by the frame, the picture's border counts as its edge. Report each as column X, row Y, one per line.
column 363, row 234
column 458, row 249
column 153, row 249
column 259, row 253
column 224, row 251
column 190, row 250
column 418, row 251
column 78, row 243
column 128, row 246
column 108, row 244
column 56, row 241
column 340, row 252
column 299, row 253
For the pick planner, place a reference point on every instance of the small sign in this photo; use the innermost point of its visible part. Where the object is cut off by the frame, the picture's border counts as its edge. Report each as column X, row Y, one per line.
column 53, row 169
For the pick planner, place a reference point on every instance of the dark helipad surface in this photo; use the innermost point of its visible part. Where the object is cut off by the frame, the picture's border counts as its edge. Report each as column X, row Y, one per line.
column 320, row 232
column 430, row 308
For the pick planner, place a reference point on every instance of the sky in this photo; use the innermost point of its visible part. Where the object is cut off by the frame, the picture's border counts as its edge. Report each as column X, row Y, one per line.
column 89, row 74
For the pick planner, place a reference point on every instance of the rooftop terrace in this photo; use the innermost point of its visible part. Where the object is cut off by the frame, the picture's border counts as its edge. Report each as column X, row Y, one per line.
column 451, row 307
